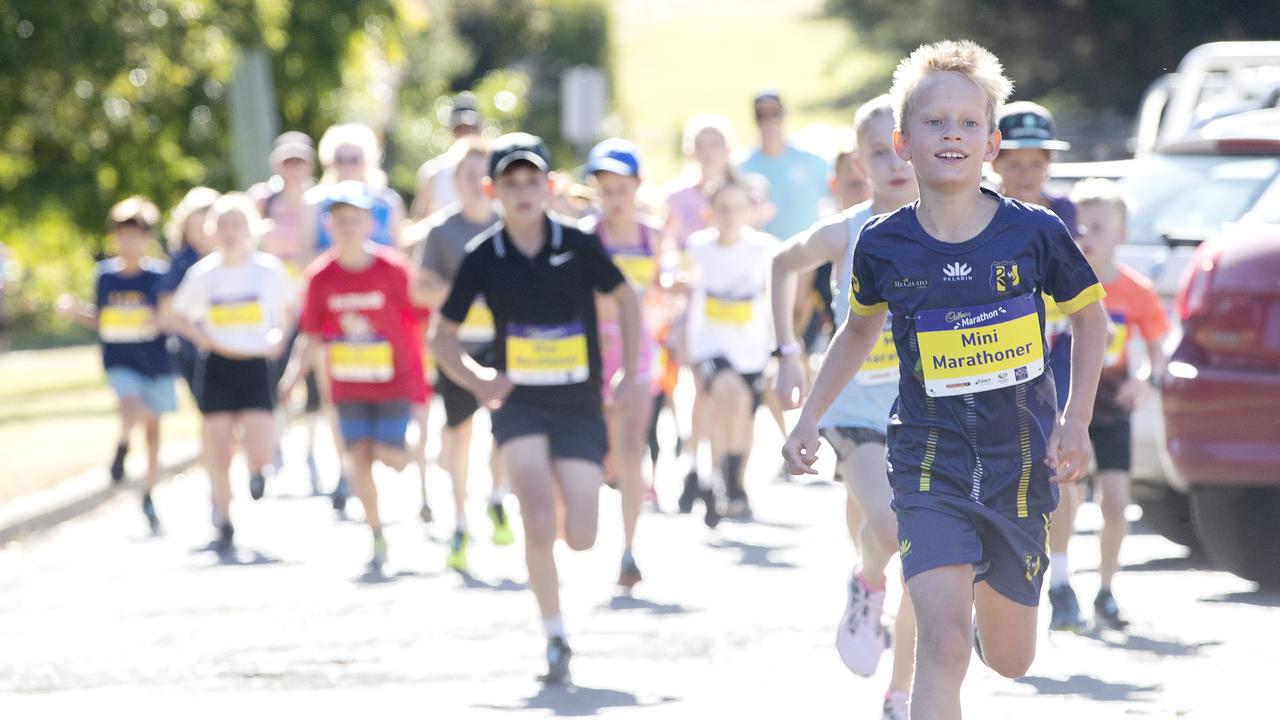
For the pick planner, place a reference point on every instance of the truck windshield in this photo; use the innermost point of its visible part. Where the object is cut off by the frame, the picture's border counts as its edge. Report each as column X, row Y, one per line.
column 1190, row 197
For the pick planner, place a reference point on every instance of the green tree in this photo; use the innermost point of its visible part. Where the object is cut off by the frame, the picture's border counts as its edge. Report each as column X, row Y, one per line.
column 1085, row 53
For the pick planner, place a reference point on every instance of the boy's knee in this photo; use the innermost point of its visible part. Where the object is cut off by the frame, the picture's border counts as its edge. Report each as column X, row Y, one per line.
column 539, row 526
column 1010, row 664
column 948, row 646
column 579, row 538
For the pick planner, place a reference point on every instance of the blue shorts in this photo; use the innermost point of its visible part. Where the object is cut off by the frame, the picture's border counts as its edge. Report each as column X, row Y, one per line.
column 157, row 392
column 383, row 423
column 1009, row 553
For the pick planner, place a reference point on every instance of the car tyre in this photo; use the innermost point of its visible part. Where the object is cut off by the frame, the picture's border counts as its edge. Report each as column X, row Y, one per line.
column 1239, row 529
column 1166, row 512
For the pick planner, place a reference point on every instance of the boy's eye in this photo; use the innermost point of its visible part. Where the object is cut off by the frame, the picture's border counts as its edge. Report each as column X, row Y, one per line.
column 971, row 123
column 933, row 121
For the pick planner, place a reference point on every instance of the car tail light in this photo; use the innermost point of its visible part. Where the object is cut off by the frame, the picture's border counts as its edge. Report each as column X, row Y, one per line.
column 1193, row 292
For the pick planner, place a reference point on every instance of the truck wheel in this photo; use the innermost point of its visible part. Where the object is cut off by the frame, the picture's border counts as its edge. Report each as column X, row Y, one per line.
column 1166, row 512
column 1239, row 529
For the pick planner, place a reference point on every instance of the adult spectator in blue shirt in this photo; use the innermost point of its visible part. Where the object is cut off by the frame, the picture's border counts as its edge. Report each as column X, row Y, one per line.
column 797, row 179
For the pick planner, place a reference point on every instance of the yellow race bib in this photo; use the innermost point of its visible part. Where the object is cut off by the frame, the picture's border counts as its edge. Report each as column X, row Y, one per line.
column 1117, row 339
column 728, row 311
column 245, row 313
column 639, row 270
column 477, row 326
column 975, row 349
column 881, row 366
column 127, row 324
column 547, row 354
column 367, row 361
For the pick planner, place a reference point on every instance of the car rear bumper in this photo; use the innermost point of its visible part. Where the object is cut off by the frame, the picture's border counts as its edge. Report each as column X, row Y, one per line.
column 1223, row 426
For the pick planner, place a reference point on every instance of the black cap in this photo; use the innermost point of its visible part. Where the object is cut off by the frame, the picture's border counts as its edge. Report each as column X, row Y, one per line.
column 517, row 147
column 1028, row 125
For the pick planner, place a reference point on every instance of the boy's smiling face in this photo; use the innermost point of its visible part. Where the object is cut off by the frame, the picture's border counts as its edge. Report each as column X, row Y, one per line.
column 946, row 135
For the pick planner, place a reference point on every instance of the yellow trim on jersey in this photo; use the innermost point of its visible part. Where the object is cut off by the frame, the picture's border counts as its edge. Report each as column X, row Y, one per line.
column 1024, row 449
column 930, row 447
column 866, row 310
column 1091, row 294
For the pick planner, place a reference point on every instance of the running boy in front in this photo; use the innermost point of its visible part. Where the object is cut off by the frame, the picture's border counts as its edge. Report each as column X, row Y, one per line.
column 539, row 278
column 975, row 443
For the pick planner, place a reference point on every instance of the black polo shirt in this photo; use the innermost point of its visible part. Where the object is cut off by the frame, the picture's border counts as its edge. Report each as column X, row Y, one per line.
column 543, row 309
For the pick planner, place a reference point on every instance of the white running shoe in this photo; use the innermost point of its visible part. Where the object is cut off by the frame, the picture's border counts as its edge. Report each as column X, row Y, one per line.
column 861, row 638
column 895, row 707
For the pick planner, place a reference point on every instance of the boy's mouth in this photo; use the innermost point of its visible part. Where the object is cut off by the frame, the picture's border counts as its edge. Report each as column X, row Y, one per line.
column 951, row 156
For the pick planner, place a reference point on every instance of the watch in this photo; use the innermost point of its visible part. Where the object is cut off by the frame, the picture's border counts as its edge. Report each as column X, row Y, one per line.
column 787, row 350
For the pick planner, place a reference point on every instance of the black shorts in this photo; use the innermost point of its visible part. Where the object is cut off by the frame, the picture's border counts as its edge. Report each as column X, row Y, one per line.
column 707, row 370
column 459, row 403
column 580, row 435
column 184, row 365
column 1112, row 446
column 221, row 384
column 843, row 439
column 822, row 315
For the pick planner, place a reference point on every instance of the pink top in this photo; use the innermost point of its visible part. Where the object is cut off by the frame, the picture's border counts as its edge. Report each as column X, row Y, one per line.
column 686, row 205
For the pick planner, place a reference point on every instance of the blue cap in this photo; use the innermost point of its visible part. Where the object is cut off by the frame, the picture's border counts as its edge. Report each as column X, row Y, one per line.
column 350, row 192
column 614, row 155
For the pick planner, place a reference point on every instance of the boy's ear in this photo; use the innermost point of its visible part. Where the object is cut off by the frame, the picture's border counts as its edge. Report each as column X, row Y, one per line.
column 993, row 146
column 900, row 145
column 488, row 188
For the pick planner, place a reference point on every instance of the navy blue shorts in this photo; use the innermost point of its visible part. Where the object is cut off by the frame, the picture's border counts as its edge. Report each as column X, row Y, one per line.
column 1009, row 553
column 384, row 423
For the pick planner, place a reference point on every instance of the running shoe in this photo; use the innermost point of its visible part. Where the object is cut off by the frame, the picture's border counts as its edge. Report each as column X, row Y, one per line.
column 426, row 514
column 340, row 494
column 558, row 654
column 117, row 465
column 1106, row 613
column 861, row 637
column 629, row 575
column 257, row 485
column 711, row 505
column 379, row 559
column 457, row 559
column 689, row 494
column 502, row 534
column 149, row 510
column 1064, row 609
column 225, row 541
column 895, row 706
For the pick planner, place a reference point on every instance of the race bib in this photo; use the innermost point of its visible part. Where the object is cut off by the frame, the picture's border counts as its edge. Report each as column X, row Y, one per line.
column 639, row 270
column 1117, row 339
column 127, row 324
column 728, row 311
column 477, row 326
column 239, row 314
column 361, row 361
column 881, row 366
column 981, row 348
column 547, row 354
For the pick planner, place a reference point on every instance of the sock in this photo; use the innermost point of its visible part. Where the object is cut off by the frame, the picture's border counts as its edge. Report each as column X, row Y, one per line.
column 733, row 473
column 1059, row 569
column 626, row 556
column 896, row 695
column 554, row 626
column 498, row 495
column 460, row 525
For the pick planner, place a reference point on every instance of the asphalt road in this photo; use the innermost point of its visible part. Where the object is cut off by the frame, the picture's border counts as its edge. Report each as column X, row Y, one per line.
column 97, row 616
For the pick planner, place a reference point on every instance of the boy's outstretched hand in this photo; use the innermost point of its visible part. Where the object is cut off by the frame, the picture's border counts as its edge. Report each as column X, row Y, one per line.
column 1069, row 451
column 801, row 449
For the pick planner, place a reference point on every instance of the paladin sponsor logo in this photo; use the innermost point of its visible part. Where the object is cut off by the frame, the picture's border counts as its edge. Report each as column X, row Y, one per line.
column 956, row 271
column 911, row 283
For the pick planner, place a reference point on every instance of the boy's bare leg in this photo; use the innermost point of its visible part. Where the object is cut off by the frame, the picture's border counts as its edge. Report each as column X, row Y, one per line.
column 904, row 646
column 1007, row 631
column 1115, row 496
column 528, row 461
column 943, row 599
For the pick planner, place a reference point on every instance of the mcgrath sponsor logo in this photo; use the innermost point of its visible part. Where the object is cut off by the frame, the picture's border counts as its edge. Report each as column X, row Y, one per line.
column 956, row 271
column 907, row 283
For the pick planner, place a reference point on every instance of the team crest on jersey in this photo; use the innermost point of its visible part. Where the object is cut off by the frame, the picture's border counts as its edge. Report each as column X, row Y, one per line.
column 1004, row 276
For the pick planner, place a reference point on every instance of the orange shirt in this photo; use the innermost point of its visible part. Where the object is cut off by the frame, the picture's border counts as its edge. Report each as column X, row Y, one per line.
column 1133, row 307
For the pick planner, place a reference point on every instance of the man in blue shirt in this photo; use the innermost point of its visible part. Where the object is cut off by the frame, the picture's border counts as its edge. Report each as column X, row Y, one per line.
column 797, row 179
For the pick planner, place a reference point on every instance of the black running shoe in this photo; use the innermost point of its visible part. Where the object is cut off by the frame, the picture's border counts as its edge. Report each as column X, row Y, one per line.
column 225, row 541
column 426, row 514
column 149, row 510
column 1064, row 609
column 340, row 494
column 1106, row 613
column 257, row 485
column 117, row 465
column 711, row 504
column 558, row 654
column 689, row 495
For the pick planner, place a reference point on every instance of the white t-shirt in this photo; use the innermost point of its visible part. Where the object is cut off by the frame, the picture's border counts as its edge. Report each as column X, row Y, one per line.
column 245, row 307
column 730, row 315
column 444, row 188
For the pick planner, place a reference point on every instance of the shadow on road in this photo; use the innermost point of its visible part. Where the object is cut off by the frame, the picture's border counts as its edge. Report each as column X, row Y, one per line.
column 578, row 701
column 626, row 602
column 377, row 577
column 1186, row 562
column 1090, row 687
column 1258, row 598
column 238, row 557
column 1156, row 646
column 754, row 555
column 472, row 582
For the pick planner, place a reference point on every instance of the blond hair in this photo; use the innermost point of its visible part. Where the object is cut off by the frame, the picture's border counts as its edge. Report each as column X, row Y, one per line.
column 230, row 203
column 196, row 199
column 361, row 136
column 962, row 57
column 698, row 123
column 870, row 110
column 1103, row 192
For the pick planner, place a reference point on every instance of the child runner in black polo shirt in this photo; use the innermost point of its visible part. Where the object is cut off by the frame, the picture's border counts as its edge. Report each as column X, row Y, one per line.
column 539, row 278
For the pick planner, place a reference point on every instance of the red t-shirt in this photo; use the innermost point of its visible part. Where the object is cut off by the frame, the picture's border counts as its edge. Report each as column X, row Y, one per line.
column 371, row 329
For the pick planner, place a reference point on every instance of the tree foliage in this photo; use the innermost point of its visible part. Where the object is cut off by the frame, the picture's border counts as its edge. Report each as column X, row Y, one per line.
column 1089, row 53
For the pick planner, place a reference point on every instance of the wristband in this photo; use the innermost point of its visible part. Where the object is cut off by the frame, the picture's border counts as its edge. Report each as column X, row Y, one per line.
column 787, row 350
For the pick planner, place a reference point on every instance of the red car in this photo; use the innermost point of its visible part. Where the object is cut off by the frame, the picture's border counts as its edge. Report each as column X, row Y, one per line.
column 1221, row 394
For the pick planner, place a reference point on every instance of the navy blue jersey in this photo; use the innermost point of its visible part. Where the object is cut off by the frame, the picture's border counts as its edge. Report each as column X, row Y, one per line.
column 976, row 402
column 127, row 317
column 179, row 263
